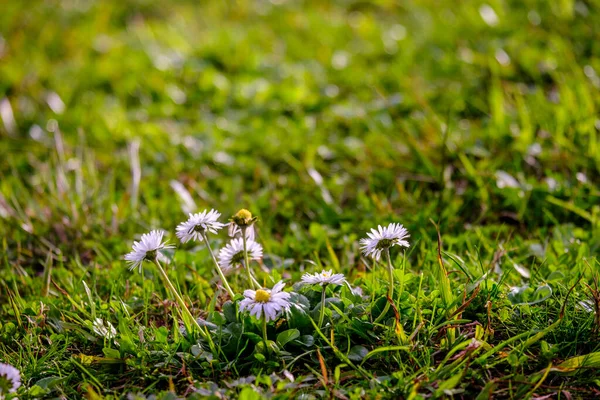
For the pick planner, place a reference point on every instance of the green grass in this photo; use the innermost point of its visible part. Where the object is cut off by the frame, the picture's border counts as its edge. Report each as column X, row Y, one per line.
column 324, row 119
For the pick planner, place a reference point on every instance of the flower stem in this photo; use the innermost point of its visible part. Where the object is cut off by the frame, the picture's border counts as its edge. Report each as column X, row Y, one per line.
column 322, row 315
column 264, row 332
column 251, row 278
column 177, row 296
column 219, row 271
column 390, row 286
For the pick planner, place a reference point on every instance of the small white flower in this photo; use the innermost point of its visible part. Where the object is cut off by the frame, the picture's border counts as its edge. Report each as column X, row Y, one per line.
column 148, row 248
column 197, row 224
column 232, row 255
column 384, row 238
column 10, row 379
column 104, row 329
column 235, row 231
column 269, row 303
column 324, row 278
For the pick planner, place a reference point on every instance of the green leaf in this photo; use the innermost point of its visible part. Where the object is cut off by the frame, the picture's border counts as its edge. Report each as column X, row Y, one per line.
column 591, row 360
column 306, row 340
column 357, row 353
column 111, row 353
column 162, row 335
column 127, row 339
column 253, row 337
column 287, row 336
column 229, row 311
column 249, row 393
column 216, row 318
column 49, row 382
column 384, row 349
column 36, row 391
column 298, row 318
column 449, row 384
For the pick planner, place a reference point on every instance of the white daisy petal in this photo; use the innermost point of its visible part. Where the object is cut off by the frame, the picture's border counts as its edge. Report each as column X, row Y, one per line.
column 245, row 304
column 232, row 255
column 278, row 287
column 147, row 248
column 280, row 296
column 382, row 238
column 270, row 312
column 11, row 376
column 265, row 302
column 281, row 303
column 104, row 329
column 197, row 224
column 256, row 310
column 324, row 278
column 235, row 231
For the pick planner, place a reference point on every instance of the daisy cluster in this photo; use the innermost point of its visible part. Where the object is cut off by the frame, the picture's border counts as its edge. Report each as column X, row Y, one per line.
column 238, row 255
column 266, row 304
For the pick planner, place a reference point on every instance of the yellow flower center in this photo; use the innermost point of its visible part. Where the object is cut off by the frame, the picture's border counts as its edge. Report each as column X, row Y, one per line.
column 243, row 213
column 262, row 296
column 243, row 218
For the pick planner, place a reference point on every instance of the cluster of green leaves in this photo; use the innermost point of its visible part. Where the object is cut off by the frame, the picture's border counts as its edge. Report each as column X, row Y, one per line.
column 325, row 119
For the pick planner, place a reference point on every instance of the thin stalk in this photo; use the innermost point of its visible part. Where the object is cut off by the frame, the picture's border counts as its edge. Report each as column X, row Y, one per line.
column 322, row 315
column 251, row 278
column 390, row 285
column 47, row 276
column 219, row 271
column 176, row 295
column 264, row 332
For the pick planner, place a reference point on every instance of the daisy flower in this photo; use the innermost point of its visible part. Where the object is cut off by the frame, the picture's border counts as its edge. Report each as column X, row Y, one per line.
column 10, row 379
column 266, row 303
column 197, row 224
column 104, row 329
column 195, row 228
column 243, row 219
column 232, row 255
column 384, row 238
column 148, row 248
column 324, row 278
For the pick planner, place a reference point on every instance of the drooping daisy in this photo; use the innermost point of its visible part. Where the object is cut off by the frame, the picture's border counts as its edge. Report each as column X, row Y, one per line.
column 242, row 220
column 10, row 379
column 232, row 255
column 197, row 224
column 265, row 302
column 147, row 249
column 383, row 238
column 323, row 278
column 104, row 328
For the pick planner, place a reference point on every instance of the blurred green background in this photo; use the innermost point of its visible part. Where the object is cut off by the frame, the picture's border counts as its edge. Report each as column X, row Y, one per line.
column 324, row 119
column 119, row 116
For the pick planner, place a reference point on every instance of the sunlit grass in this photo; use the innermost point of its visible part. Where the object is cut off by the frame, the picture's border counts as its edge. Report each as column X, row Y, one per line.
column 477, row 121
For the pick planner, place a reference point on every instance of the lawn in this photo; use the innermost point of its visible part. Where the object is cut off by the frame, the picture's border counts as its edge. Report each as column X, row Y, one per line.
column 473, row 124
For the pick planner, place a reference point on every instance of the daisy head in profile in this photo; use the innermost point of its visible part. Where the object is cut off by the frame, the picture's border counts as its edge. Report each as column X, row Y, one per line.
column 197, row 225
column 242, row 221
column 383, row 238
column 147, row 249
column 10, row 379
column 323, row 278
column 104, row 329
column 232, row 255
column 265, row 303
